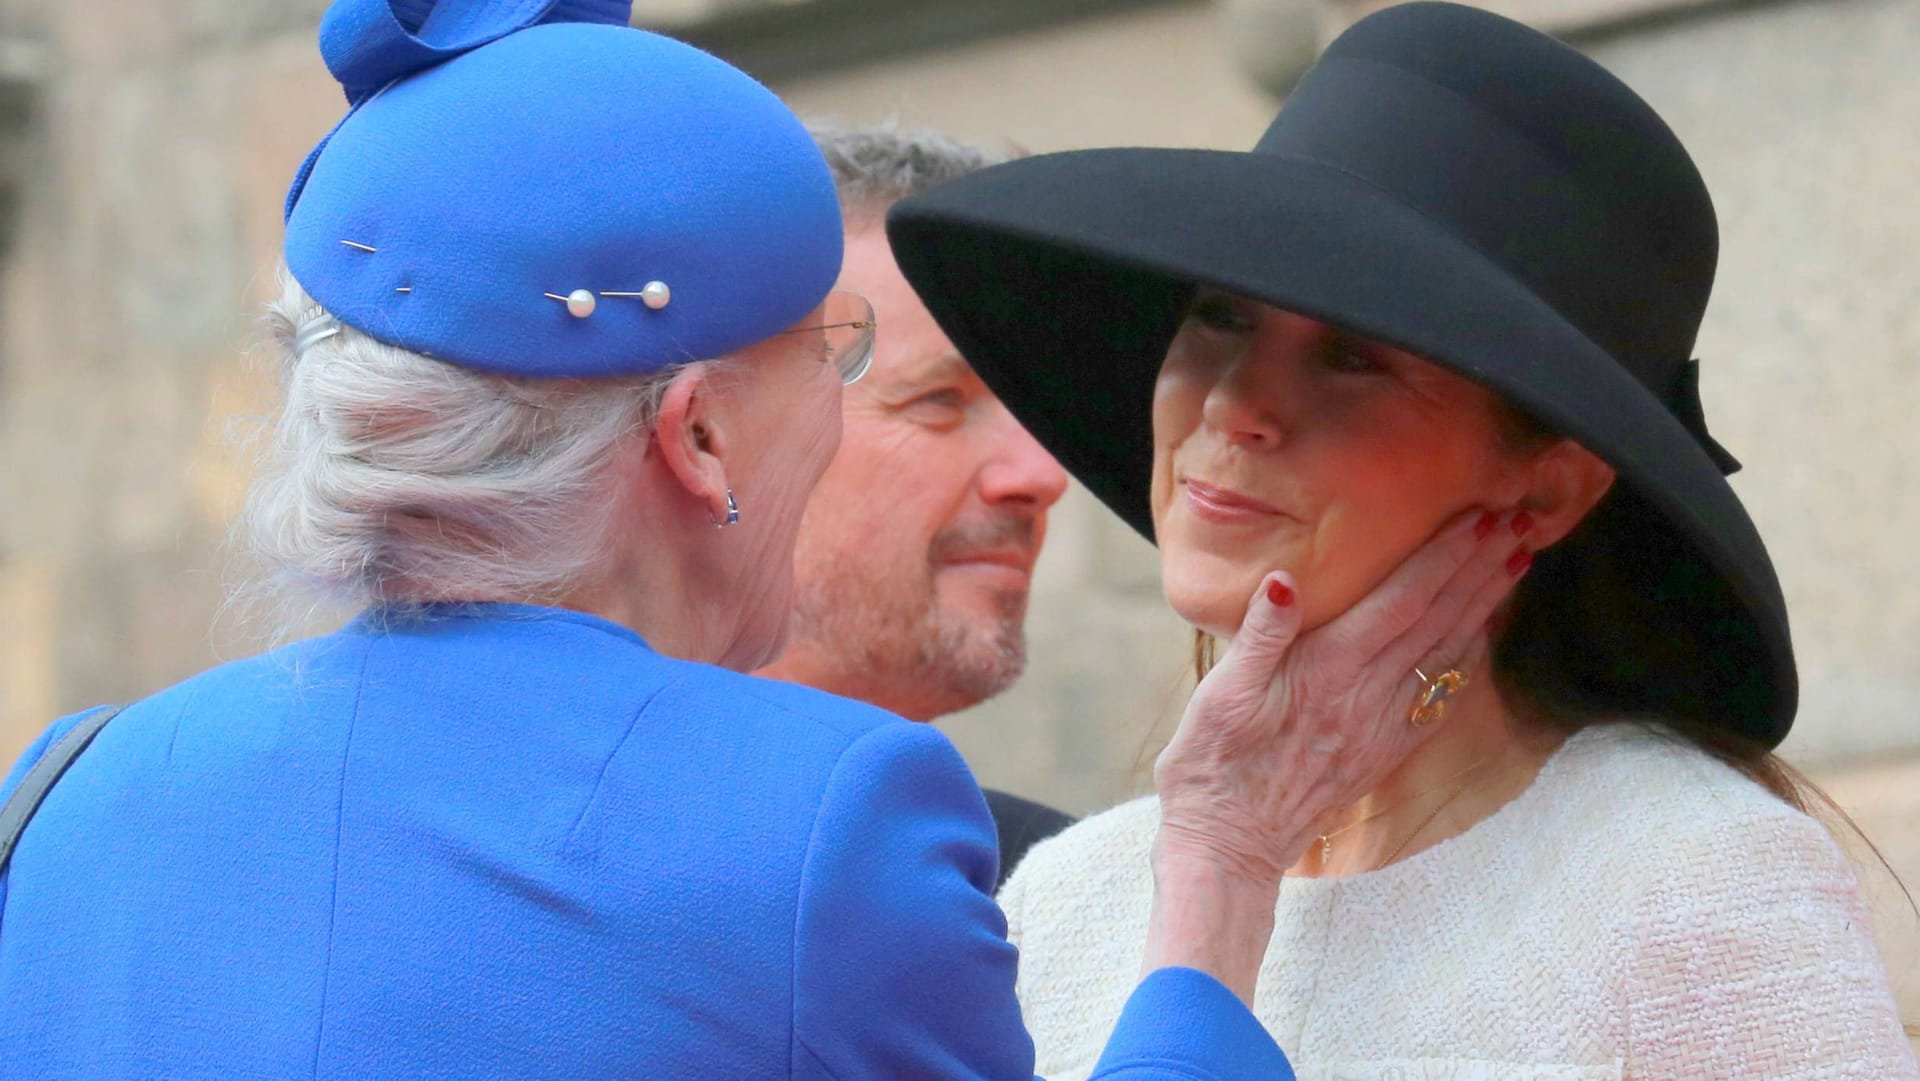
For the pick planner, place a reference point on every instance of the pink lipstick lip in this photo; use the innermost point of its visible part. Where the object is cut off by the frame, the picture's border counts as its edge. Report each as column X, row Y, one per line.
column 1221, row 504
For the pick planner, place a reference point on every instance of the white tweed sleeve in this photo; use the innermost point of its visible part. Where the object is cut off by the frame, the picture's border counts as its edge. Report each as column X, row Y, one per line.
column 1753, row 957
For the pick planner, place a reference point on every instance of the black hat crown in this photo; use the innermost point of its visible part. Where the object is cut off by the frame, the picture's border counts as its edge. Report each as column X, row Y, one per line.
column 1581, row 193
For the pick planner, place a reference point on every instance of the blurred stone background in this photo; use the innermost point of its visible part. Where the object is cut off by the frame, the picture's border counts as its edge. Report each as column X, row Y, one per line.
column 145, row 147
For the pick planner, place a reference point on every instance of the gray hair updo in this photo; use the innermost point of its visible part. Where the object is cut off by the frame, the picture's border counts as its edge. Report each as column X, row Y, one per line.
column 397, row 479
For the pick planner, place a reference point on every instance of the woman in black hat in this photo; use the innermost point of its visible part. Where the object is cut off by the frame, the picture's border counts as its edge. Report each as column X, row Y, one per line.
column 1451, row 294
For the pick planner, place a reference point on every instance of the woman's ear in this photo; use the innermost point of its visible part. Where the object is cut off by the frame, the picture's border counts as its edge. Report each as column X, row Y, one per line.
column 692, row 440
column 1568, row 480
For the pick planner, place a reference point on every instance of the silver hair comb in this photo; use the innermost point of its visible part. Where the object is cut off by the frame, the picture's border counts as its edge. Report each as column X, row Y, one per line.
column 312, row 332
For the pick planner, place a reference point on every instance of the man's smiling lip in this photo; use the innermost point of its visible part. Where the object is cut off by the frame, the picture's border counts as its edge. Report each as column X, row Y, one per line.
column 1225, row 506
column 1016, row 559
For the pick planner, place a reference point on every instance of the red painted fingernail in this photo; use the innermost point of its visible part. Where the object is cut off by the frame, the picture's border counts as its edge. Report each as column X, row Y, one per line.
column 1519, row 562
column 1279, row 594
column 1521, row 523
column 1485, row 525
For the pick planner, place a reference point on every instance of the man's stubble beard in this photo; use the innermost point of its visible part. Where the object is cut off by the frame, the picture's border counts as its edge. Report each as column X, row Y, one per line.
column 897, row 647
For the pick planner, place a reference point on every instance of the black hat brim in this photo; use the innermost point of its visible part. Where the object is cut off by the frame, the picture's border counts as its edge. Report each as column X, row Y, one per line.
column 1063, row 277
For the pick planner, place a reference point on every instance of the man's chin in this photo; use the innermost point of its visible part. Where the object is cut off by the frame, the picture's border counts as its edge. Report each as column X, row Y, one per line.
column 977, row 654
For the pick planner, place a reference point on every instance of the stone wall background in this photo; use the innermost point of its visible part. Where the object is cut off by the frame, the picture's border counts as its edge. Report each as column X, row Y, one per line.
column 147, row 148
column 157, row 144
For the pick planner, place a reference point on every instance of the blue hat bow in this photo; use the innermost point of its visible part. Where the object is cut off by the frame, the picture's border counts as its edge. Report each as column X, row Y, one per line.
column 369, row 43
column 1685, row 400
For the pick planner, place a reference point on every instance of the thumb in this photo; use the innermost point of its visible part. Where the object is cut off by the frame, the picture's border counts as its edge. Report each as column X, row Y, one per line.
column 1272, row 622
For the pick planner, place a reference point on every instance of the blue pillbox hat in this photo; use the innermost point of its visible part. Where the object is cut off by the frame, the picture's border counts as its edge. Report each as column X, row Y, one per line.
column 507, row 169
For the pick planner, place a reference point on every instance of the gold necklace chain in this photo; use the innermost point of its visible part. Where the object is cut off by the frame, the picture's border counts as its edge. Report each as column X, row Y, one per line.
column 1424, row 823
column 1326, row 839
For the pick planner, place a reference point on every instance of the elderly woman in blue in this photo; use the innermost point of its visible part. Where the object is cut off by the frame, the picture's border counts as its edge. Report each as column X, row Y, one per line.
column 561, row 365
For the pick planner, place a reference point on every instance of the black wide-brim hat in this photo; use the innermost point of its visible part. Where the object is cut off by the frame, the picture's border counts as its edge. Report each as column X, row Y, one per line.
column 1444, row 180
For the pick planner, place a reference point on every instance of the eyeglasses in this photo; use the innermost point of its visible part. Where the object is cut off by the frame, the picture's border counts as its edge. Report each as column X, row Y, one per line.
column 848, row 333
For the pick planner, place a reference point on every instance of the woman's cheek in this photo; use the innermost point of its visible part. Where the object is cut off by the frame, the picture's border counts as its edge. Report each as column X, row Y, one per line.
column 1160, row 492
column 1172, row 426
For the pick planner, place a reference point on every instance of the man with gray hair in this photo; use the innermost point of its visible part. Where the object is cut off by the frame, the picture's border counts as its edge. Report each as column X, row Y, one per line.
column 917, row 548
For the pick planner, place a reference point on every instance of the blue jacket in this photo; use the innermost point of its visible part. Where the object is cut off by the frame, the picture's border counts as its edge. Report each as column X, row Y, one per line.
column 512, row 842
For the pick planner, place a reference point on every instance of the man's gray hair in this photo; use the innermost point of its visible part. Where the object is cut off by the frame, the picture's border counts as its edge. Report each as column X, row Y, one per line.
column 878, row 165
column 397, row 478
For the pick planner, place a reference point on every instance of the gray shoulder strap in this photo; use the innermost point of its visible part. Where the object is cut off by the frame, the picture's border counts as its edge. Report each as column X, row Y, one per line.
column 40, row 778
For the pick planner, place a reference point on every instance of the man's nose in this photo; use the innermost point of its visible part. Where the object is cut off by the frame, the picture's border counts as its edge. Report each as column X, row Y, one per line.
column 1019, row 470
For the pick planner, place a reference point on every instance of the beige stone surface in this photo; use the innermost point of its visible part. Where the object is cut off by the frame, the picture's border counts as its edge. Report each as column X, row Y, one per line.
column 1155, row 77
column 160, row 147
column 163, row 138
column 1883, row 797
column 1557, row 16
column 29, row 610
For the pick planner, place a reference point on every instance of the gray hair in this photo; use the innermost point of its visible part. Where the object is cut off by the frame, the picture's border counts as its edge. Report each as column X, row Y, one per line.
column 879, row 165
column 394, row 478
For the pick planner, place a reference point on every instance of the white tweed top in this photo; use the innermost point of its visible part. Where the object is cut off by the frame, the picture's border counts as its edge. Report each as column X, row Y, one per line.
column 1640, row 911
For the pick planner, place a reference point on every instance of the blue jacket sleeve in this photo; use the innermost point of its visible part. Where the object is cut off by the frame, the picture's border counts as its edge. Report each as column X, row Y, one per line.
column 1181, row 1023
column 901, row 962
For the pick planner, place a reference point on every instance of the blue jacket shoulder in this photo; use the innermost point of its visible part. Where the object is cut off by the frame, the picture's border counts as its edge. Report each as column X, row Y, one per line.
column 782, row 702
